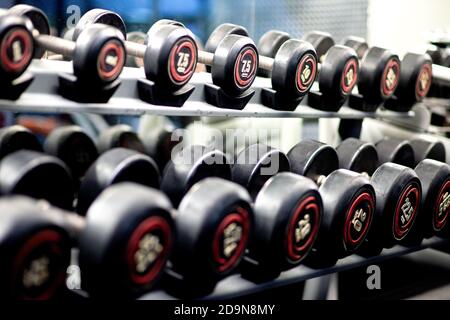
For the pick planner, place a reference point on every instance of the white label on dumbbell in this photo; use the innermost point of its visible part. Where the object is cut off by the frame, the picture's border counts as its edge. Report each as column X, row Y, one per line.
column 232, row 235
column 306, row 73
column 358, row 219
column 246, row 68
column 37, row 273
column 17, row 51
column 445, row 203
column 407, row 210
column 111, row 60
column 183, row 62
column 423, row 80
column 391, row 78
column 350, row 76
column 303, row 228
column 149, row 249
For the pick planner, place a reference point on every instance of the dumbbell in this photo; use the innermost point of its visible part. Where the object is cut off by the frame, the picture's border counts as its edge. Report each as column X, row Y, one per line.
column 170, row 56
column 15, row 138
column 127, row 236
column 17, row 46
column 337, row 70
column 348, row 202
column 119, row 136
column 293, row 68
column 98, row 53
column 74, row 147
column 214, row 223
column 157, row 143
column 428, row 160
column 398, row 194
column 414, row 79
column 211, row 211
column 378, row 73
column 287, row 211
column 38, row 175
column 190, row 164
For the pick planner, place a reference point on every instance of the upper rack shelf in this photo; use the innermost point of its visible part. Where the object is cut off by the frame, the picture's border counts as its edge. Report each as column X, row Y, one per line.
column 42, row 97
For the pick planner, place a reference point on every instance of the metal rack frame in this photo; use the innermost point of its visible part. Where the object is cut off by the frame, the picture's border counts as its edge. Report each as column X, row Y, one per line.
column 42, row 96
column 237, row 287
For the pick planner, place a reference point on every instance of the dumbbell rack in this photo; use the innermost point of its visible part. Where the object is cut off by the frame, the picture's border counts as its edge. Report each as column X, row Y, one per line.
column 236, row 287
column 42, row 97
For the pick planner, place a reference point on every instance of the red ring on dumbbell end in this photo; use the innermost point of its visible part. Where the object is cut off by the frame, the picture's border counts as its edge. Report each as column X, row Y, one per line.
column 241, row 218
column 439, row 223
column 246, row 51
column 352, row 64
column 425, row 71
column 156, row 226
column 401, row 231
column 50, row 238
column 392, row 64
column 118, row 49
column 304, row 86
column 175, row 76
column 351, row 243
column 294, row 250
column 16, row 34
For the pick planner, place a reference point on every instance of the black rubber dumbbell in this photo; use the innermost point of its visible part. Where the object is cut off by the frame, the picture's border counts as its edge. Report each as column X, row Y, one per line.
column 380, row 75
column 74, row 147
column 338, row 74
column 212, row 211
column 170, row 56
column 17, row 45
column 160, row 141
column 119, row 136
column 157, row 143
column 398, row 192
column 348, row 202
column 414, row 83
column 127, row 235
column 114, row 166
column 214, row 223
column 191, row 164
column 287, row 209
column 37, row 175
column 98, row 56
column 15, row 138
column 428, row 160
column 292, row 68
column 232, row 59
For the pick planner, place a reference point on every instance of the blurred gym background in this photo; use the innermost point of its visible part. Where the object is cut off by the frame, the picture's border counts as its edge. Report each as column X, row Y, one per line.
column 385, row 23
column 382, row 22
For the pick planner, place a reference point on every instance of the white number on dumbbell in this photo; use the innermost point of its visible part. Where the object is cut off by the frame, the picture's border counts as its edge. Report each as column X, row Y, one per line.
column 306, row 73
column 232, row 236
column 407, row 210
column 149, row 249
column 111, row 60
column 17, row 51
column 443, row 206
column 358, row 219
column 183, row 61
column 246, row 67
column 37, row 273
column 391, row 78
column 303, row 228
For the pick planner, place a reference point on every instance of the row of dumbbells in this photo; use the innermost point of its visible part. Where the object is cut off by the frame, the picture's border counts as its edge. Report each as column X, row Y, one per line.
column 98, row 49
column 207, row 215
